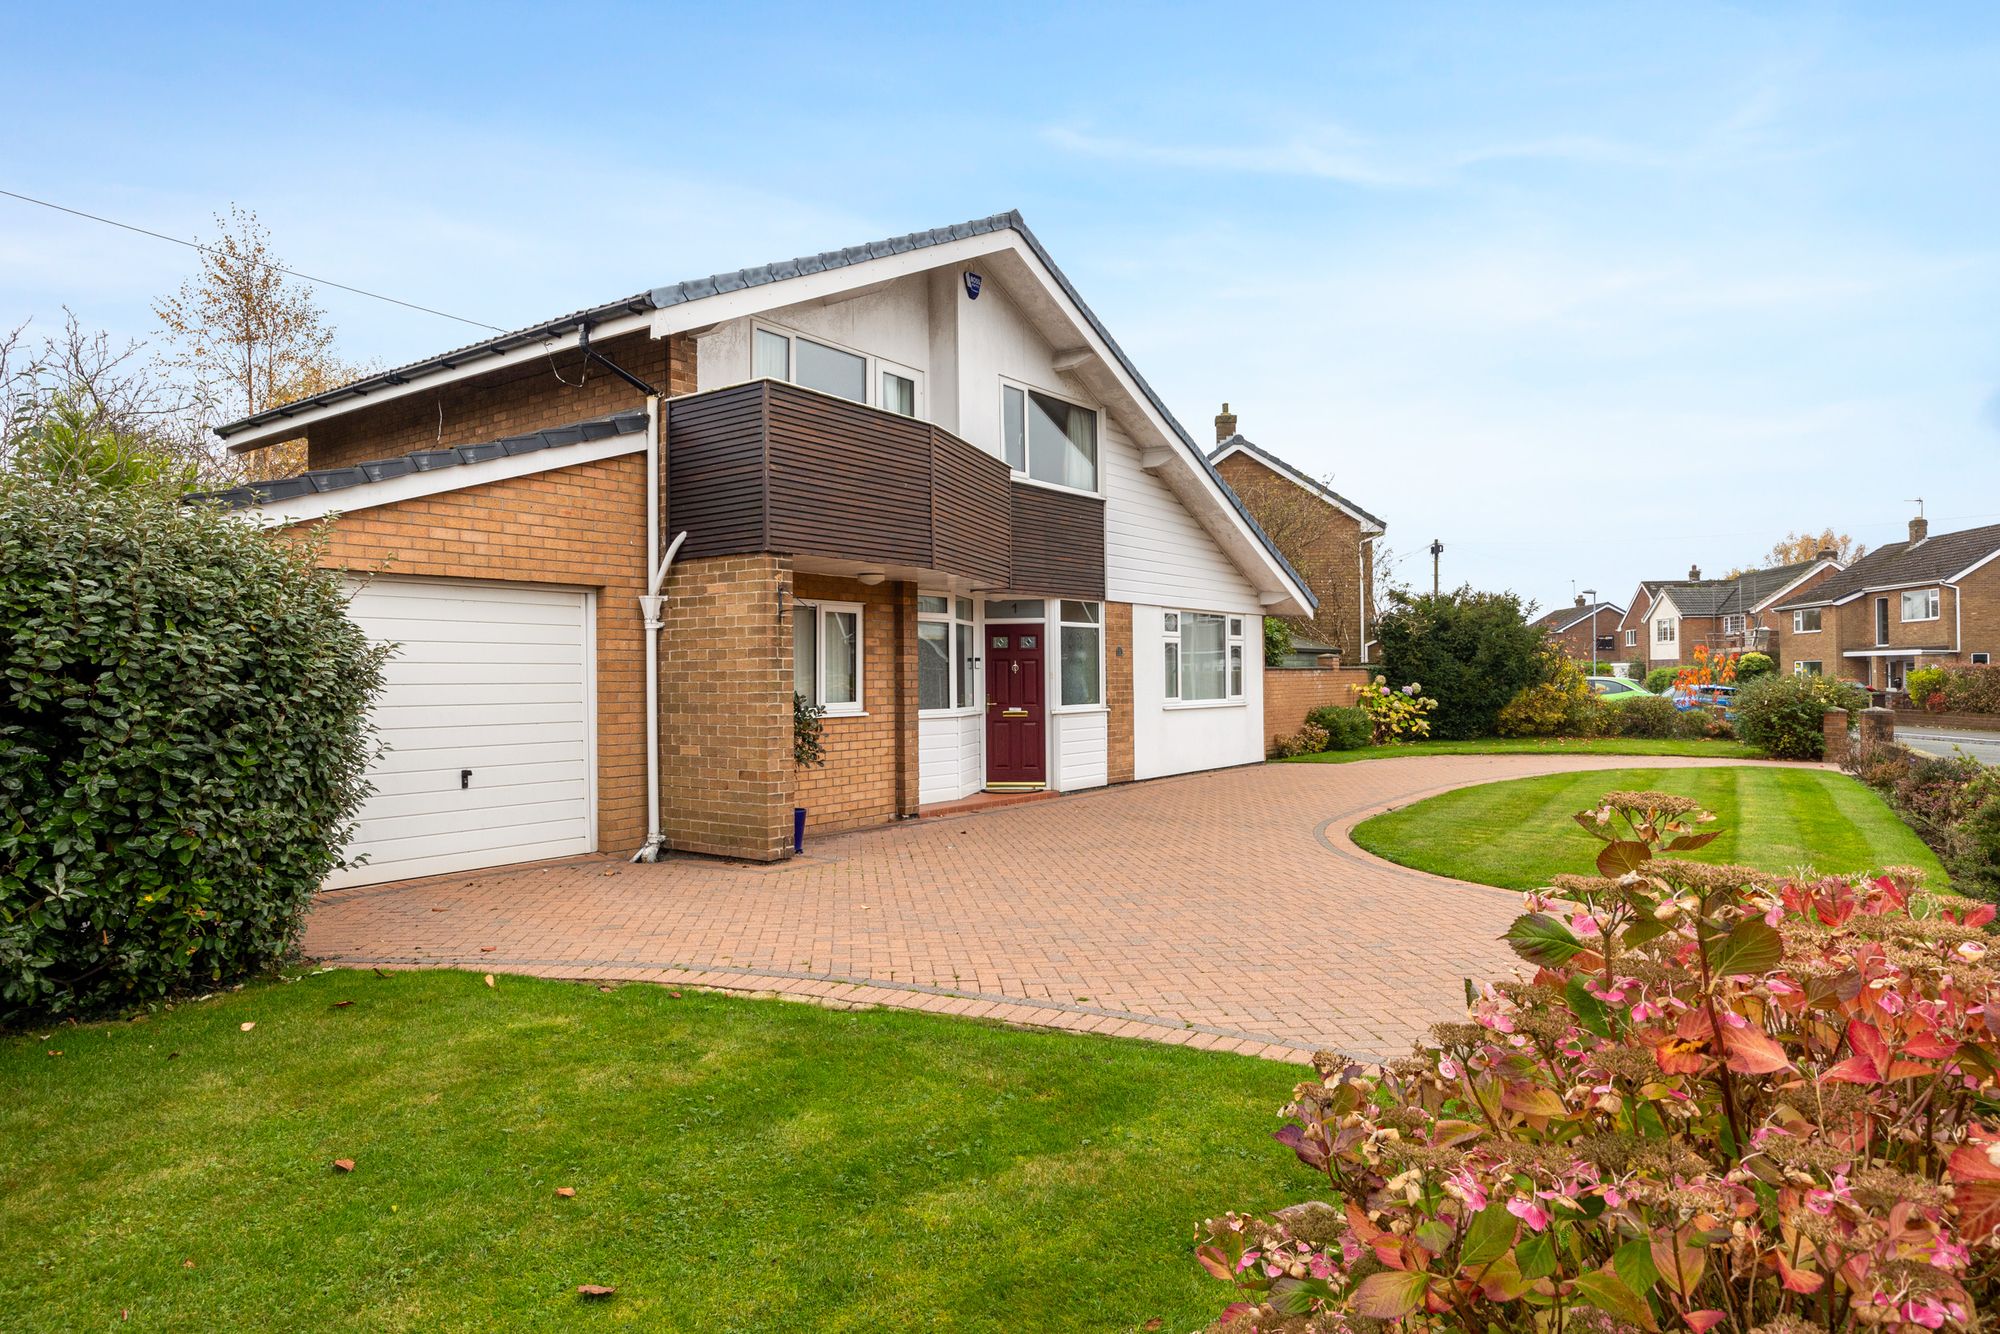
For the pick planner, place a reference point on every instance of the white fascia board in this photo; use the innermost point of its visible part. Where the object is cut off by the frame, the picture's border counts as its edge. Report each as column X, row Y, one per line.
column 413, row 486
column 1931, row 650
column 1604, row 610
column 1817, row 567
column 1983, row 560
column 476, row 363
column 1304, row 483
column 723, row 306
column 1663, row 600
column 1903, row 587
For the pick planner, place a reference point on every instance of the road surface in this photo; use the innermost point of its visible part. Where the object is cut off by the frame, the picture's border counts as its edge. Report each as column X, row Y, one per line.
column 1981, row 746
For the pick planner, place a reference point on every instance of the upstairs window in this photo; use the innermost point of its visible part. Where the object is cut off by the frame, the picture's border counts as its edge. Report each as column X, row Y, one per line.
column 778, row 354
column 1664, row 630
column 1048, row 439
column 1204, row 657
column 1631, row 638
column 1920, row 604
column 1805, row 621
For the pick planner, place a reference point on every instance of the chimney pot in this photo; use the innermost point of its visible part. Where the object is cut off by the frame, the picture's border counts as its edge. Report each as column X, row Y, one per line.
column 1694, row 574
column 1225, row 424
column 1920, row 528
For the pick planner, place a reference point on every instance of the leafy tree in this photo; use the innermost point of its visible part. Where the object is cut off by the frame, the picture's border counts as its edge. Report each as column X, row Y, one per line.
column 248, row 336
column 1470, row 651
column 1797, row 548
column 1277, row 641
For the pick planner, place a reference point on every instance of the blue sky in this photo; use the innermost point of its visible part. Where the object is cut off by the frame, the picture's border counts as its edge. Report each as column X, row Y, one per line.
column 1589, row 292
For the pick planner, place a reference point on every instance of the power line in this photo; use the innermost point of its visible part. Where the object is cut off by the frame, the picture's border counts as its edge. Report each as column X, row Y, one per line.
column 279, row 268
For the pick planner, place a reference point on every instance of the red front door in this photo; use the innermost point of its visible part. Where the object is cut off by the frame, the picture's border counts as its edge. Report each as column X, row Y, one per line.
column 1015, row 716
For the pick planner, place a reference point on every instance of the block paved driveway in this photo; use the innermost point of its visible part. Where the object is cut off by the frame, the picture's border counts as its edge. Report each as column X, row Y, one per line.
column 1224, row 910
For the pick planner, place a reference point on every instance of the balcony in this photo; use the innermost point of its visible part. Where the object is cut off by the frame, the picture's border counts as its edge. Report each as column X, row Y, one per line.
column 771, row 467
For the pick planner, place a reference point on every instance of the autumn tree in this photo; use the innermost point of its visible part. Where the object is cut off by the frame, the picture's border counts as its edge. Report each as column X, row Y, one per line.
column 1798, row 548
column 247, row 336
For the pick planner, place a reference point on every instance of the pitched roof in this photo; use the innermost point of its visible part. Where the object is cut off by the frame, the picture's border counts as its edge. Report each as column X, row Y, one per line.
column 1562, row 618
column 1934, row 560
column 660, row 298
column 423, row 460
column 1286, row 470
column 1729, row 597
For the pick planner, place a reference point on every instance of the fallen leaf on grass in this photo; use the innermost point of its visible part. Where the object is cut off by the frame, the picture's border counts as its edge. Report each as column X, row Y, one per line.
column 341, row 1005
column 379, row 973
column 55, row 1051
column 594, row 1290
column 602, row 987
column 674, row 994
column 567, row 1192
column 343, row 1164
column 173, row 1056
column 248, row 1024
column 1155, row 1323
column 489, row 979
column 187, row 1264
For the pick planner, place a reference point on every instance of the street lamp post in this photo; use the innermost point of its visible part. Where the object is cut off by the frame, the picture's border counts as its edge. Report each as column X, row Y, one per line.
column 1591, row 593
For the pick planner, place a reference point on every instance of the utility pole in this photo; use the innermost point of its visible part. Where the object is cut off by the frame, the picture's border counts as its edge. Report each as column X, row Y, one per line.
column 1437, row 549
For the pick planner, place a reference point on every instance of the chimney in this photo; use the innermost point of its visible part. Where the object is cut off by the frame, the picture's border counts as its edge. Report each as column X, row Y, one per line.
column 1828, row 553
column 1225, row 424
column 1694, row 574
column 1920, row 528
column 1579, row 599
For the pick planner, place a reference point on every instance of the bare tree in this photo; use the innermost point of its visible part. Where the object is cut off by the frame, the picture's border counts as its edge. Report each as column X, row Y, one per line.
column 245, row 336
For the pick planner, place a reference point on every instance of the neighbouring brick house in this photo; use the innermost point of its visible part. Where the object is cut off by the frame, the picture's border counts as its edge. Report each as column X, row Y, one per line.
column 1928, row 601
column 1668, row 619
column 1586, row 631
column 915, row 482
column 1328, row 538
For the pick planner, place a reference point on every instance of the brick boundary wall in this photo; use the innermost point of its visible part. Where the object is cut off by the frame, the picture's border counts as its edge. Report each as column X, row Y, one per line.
column 1833, row 728
column 1292, row 692
column 1972, row 722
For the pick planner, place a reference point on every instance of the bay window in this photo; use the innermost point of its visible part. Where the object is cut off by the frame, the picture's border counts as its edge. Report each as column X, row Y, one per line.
column 1082, row 642
column 1048, row 439
column 945, row 678
column 1204, row 657
column 826, row 655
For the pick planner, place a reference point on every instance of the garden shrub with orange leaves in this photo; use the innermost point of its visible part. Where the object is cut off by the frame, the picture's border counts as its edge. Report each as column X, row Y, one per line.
column 1719, row 1103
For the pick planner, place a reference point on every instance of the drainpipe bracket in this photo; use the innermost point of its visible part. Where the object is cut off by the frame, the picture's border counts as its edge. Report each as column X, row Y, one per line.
column 650, row 606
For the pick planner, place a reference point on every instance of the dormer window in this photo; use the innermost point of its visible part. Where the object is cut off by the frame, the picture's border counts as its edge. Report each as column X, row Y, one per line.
column 779, row 354
column 1048, row 439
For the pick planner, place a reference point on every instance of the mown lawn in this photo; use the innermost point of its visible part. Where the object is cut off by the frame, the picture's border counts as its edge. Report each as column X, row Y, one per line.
column 738, row 1165
column 1518, row 834
column 1722, row 750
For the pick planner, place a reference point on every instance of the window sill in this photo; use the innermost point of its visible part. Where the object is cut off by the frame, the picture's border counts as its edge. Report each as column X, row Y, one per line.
column 832, row 714
column 1236, row 703
column 1023, row 479
column 1081, row 708
column 1806, row 632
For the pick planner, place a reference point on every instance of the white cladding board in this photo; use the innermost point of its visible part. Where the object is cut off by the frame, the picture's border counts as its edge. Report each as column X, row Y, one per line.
column 493, row 680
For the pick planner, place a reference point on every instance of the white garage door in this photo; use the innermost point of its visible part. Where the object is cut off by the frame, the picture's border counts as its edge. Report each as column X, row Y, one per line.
column 486, row 715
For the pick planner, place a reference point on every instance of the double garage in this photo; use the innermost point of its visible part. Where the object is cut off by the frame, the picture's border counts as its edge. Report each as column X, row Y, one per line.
column 487, row 721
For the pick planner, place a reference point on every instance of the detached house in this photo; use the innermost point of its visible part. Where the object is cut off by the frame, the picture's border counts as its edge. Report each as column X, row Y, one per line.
column 1929, row 601
column 1586, row 632
column 1328, row 539
column 1669, row 619
column 915, row 483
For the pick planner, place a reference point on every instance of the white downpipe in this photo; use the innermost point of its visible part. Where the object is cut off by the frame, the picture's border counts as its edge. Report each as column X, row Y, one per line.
column 651, row 603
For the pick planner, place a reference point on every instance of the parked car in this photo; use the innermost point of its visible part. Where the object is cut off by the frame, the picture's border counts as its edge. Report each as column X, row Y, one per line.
column 1686, row 698
column 1614, row 689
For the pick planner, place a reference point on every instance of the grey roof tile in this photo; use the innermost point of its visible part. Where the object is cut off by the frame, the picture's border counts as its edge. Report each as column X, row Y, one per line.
column 1932, row 560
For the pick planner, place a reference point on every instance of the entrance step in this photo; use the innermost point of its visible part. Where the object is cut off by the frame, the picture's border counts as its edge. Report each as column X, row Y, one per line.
column 981, row 801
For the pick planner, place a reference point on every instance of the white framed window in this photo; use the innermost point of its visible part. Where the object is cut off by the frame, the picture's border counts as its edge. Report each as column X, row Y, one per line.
column 1204, row 657
column 1806, row 667
column 827, row 654
column 945, row 654
column 1081, row 640
column 1665, row 630
column 1981, row 659
column 1048, row 439
column 1920, row 604
column 1733, row 624
column 778, row 353
column 1631, row 639
column 1806, row 620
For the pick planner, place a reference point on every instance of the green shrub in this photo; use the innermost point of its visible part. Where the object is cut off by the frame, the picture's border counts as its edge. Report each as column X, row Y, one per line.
column 1346, row 728
column 1926, row 688
column 1975, row 863
column 1972, row 689
column 183, row 743
column 1661, row 679
column 1753, row 665
column 1472, row 652
column 1277, row 641
column 1308, row 740
column 1782, row 713
column 1654, row 716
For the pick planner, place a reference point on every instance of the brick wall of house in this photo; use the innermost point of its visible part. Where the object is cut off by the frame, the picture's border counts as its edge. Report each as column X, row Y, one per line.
column 544, row 392
column 870, row 775
column 1118, row 691
column 726, row 770
column 1576, row 641
column 1979, row 614
column 1327, row 551
column 578, row 527
column 1292, row 692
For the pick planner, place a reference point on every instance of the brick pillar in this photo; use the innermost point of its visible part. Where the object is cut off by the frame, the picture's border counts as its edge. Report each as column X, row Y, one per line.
column 1878, row 728
column 1118, row 689
column 1833, row 727
column 906, row 700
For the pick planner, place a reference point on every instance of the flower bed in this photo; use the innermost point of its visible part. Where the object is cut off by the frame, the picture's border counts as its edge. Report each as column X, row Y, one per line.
column 1722, row 1101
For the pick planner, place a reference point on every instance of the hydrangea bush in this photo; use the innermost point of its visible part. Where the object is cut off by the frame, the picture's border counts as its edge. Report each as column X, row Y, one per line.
column 1719, row 1102
column 1399, row 713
